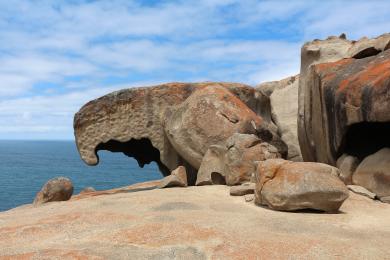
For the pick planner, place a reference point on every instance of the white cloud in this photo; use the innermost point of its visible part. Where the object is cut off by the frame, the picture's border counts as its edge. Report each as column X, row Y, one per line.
column 81, row 48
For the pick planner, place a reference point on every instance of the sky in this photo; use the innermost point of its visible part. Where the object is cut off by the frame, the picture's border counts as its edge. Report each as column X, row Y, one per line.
column 57, row 55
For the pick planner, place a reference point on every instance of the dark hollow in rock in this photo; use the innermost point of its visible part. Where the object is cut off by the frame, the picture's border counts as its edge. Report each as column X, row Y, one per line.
column 142, row 150
column 371, row 51
column 217, row 178
column 363, row 139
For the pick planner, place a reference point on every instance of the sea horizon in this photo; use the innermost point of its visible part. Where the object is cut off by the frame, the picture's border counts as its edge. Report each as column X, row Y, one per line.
column 26, row 165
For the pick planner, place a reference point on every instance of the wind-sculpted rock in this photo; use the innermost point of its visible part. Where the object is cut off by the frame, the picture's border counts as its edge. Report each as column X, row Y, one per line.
column 289, row 186
column 373, row 173
column 340, row 92
column 209, row 117
column 234, row 163
column 131, row 121
column 178, row 178
column 284, row 109
column 57, row 189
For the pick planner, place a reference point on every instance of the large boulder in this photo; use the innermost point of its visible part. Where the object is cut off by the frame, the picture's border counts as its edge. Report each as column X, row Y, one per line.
column 347, row 165
column 234, row 163
column 56, row 189
column 373, row 173
column 131, row 121
column 339, row 92
column 289, row 186
column 284, row 109
column 209, row 117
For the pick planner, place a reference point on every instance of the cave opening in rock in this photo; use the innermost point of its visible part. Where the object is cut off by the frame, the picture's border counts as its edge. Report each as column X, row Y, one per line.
column 140, row 149
column 363, row 139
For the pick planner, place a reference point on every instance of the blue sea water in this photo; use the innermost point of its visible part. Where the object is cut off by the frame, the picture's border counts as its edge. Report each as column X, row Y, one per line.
column 26, row 165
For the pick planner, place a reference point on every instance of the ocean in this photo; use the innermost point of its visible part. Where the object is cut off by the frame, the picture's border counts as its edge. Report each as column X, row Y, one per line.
column 25, row 166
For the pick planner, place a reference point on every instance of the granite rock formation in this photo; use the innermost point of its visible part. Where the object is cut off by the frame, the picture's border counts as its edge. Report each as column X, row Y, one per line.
column 56, row 189
column 288, row 186
column 373, row 173
column 343, row 87
column 234, row 163
column 132, row 121
column 284, row 111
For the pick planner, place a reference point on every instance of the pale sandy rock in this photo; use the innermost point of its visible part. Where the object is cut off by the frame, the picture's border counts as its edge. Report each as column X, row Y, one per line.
column 87, row 190
column 284, row 107
column 366, row 47
column 347, row 165
column 385, row 199
column 56, row 189
column 249, row 197
column 212, row 163
column 289, row 186
column 192, row 223
column 178, row 178
column 241, row 190
column 373, row 173
column 361, row 191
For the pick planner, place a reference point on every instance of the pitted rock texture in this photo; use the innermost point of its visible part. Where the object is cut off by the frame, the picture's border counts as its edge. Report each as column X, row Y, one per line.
column 288, row 186
column 130, row 121
column 209, row 117
column 350, row 107
column 192, row 223
column 330, row 50
column 56, row 189
column 234, row 163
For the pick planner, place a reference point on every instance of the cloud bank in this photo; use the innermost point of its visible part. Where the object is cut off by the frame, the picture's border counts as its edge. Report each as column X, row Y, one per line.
column 57, row 55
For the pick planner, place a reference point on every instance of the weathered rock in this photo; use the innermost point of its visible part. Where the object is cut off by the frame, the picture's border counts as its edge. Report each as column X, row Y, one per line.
column 178, row 178
column 242, row 151
column 385, row 199
column 366, row 47
column 249, row 197
column 130, row 121
column 284, row 107
column 361, row 191
column 241, row 190
column 209, row 117
column 347, row 165
column 373, row 173
column 56, row 189
column 267, row 88
column 289, row 186
column 212, row 167
column 87, row 190
column 190, row 223
column 233, row 163
column 351, row 107
column 339, row 93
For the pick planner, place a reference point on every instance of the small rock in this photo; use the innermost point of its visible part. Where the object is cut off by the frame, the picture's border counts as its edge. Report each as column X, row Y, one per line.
column 385, row 199
column 242, row 190
column 249, row 197
column 87, row 190
column 361, row 191
column 347, row 165
column 56, row 189
column 178, row 178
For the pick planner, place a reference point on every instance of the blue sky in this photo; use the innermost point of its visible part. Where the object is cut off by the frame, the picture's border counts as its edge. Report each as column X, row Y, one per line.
column 57, row 55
